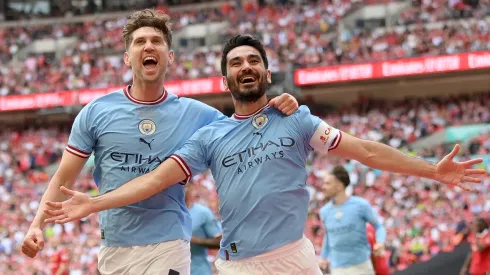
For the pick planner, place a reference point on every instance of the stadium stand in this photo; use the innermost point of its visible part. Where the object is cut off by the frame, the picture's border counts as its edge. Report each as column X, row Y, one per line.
column 422, row 219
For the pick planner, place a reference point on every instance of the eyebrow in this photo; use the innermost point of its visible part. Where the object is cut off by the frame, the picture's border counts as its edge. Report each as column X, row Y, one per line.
column 151, row 37
column 239, row 57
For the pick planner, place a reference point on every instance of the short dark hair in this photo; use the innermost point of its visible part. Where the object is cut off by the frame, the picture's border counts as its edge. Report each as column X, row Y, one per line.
column 242, row 40
column 148, row 18
column 341, row 174
column 482, row 223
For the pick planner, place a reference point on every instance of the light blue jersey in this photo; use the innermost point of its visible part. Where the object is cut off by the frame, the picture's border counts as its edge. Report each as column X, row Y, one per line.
column 129, row 138
column 345, row 242
column 206, row 226
column 258, row 163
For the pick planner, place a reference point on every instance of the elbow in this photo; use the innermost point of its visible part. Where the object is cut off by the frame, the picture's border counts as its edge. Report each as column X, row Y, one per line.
column 367, row 153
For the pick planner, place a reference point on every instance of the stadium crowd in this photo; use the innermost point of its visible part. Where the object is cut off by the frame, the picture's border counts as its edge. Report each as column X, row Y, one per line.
column 292, row 34
column 421, row 217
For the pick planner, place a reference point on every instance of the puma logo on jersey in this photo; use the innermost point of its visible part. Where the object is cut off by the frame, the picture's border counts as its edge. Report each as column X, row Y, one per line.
column 147, row 143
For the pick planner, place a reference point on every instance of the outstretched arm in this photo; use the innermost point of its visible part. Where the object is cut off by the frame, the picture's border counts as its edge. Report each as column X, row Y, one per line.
column 383, row 157
column 143, row 187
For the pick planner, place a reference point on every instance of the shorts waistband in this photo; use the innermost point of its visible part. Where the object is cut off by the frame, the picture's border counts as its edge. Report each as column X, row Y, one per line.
column 279, row 252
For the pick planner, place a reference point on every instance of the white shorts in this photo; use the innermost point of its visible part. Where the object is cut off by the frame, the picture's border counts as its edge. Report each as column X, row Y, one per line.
column 292, row 259
column 365, row 268
column 154, row 259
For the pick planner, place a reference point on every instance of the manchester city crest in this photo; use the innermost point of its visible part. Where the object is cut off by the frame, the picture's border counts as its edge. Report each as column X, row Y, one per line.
column 259, row 121
column 339, row 215
column 147, row 127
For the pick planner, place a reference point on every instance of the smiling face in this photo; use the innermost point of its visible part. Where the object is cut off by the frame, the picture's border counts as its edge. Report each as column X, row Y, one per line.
column 148, row 55
column 246, row 75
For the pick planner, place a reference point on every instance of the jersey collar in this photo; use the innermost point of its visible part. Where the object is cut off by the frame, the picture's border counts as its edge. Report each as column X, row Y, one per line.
column 130, row 97
column 242, row 117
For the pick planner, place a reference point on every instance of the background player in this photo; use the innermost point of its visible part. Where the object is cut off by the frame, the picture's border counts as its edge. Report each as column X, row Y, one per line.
column 206, row 233
column 260, row 178
column 478, row 260
column 379, row 259
column 59, row 261
column 345, row 243
column 125, row 130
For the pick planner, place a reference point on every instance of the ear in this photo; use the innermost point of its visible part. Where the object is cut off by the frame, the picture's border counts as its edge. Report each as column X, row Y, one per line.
column 269, row 76
column 126, row 59
column 171, row 57
column 225, row 83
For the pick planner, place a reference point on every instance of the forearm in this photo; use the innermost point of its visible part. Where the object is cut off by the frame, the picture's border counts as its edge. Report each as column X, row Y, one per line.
column 213, row 243
column 383, row 157
column 140, row 188
column 53, row 194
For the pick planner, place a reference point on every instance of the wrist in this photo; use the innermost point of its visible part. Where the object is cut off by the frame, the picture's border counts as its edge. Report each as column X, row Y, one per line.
column 37, row 225
column 96, row 204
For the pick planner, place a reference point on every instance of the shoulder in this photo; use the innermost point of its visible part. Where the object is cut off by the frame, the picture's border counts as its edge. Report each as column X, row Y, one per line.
column 359, row 201
column 105, row 102
column 303, row 110
column 216, row 129
column 189, row 102
column 325, row 208
column 109, row 98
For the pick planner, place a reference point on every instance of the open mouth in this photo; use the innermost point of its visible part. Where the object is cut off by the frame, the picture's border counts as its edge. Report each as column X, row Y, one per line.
column 150, row 63
column 248, row 79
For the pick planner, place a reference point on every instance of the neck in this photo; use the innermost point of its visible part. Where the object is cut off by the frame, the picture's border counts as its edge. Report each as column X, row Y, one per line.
column 145, row 91
column 189, row 204
column 340, row 198
column 247, row 108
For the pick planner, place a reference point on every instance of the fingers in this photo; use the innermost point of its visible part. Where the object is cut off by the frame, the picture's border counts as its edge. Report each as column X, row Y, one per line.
column 273, row 102
column 31, row 253
column 471, row 179
column 285, row 103
column 454, row 152
column 54, row 204
column 65, row 220
column 53, row 213
column 55, row 219
column 472, row 162
column 289, row 110
column 39, row 239
column 475, row 172
column 30, row 244
column 67, row 191
column 463, row 186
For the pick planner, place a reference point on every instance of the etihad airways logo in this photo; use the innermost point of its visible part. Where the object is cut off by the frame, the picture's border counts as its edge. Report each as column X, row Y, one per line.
column 142, row 163
column 251, row 157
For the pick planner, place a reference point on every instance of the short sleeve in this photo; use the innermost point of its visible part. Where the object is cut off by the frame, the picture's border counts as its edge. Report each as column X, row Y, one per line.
column 81, row 141
column 306, row 123
column 192, row 156
column 212, row 227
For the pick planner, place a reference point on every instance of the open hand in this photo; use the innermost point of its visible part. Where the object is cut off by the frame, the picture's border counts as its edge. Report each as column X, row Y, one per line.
column 453, row 173
column 77, row 207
